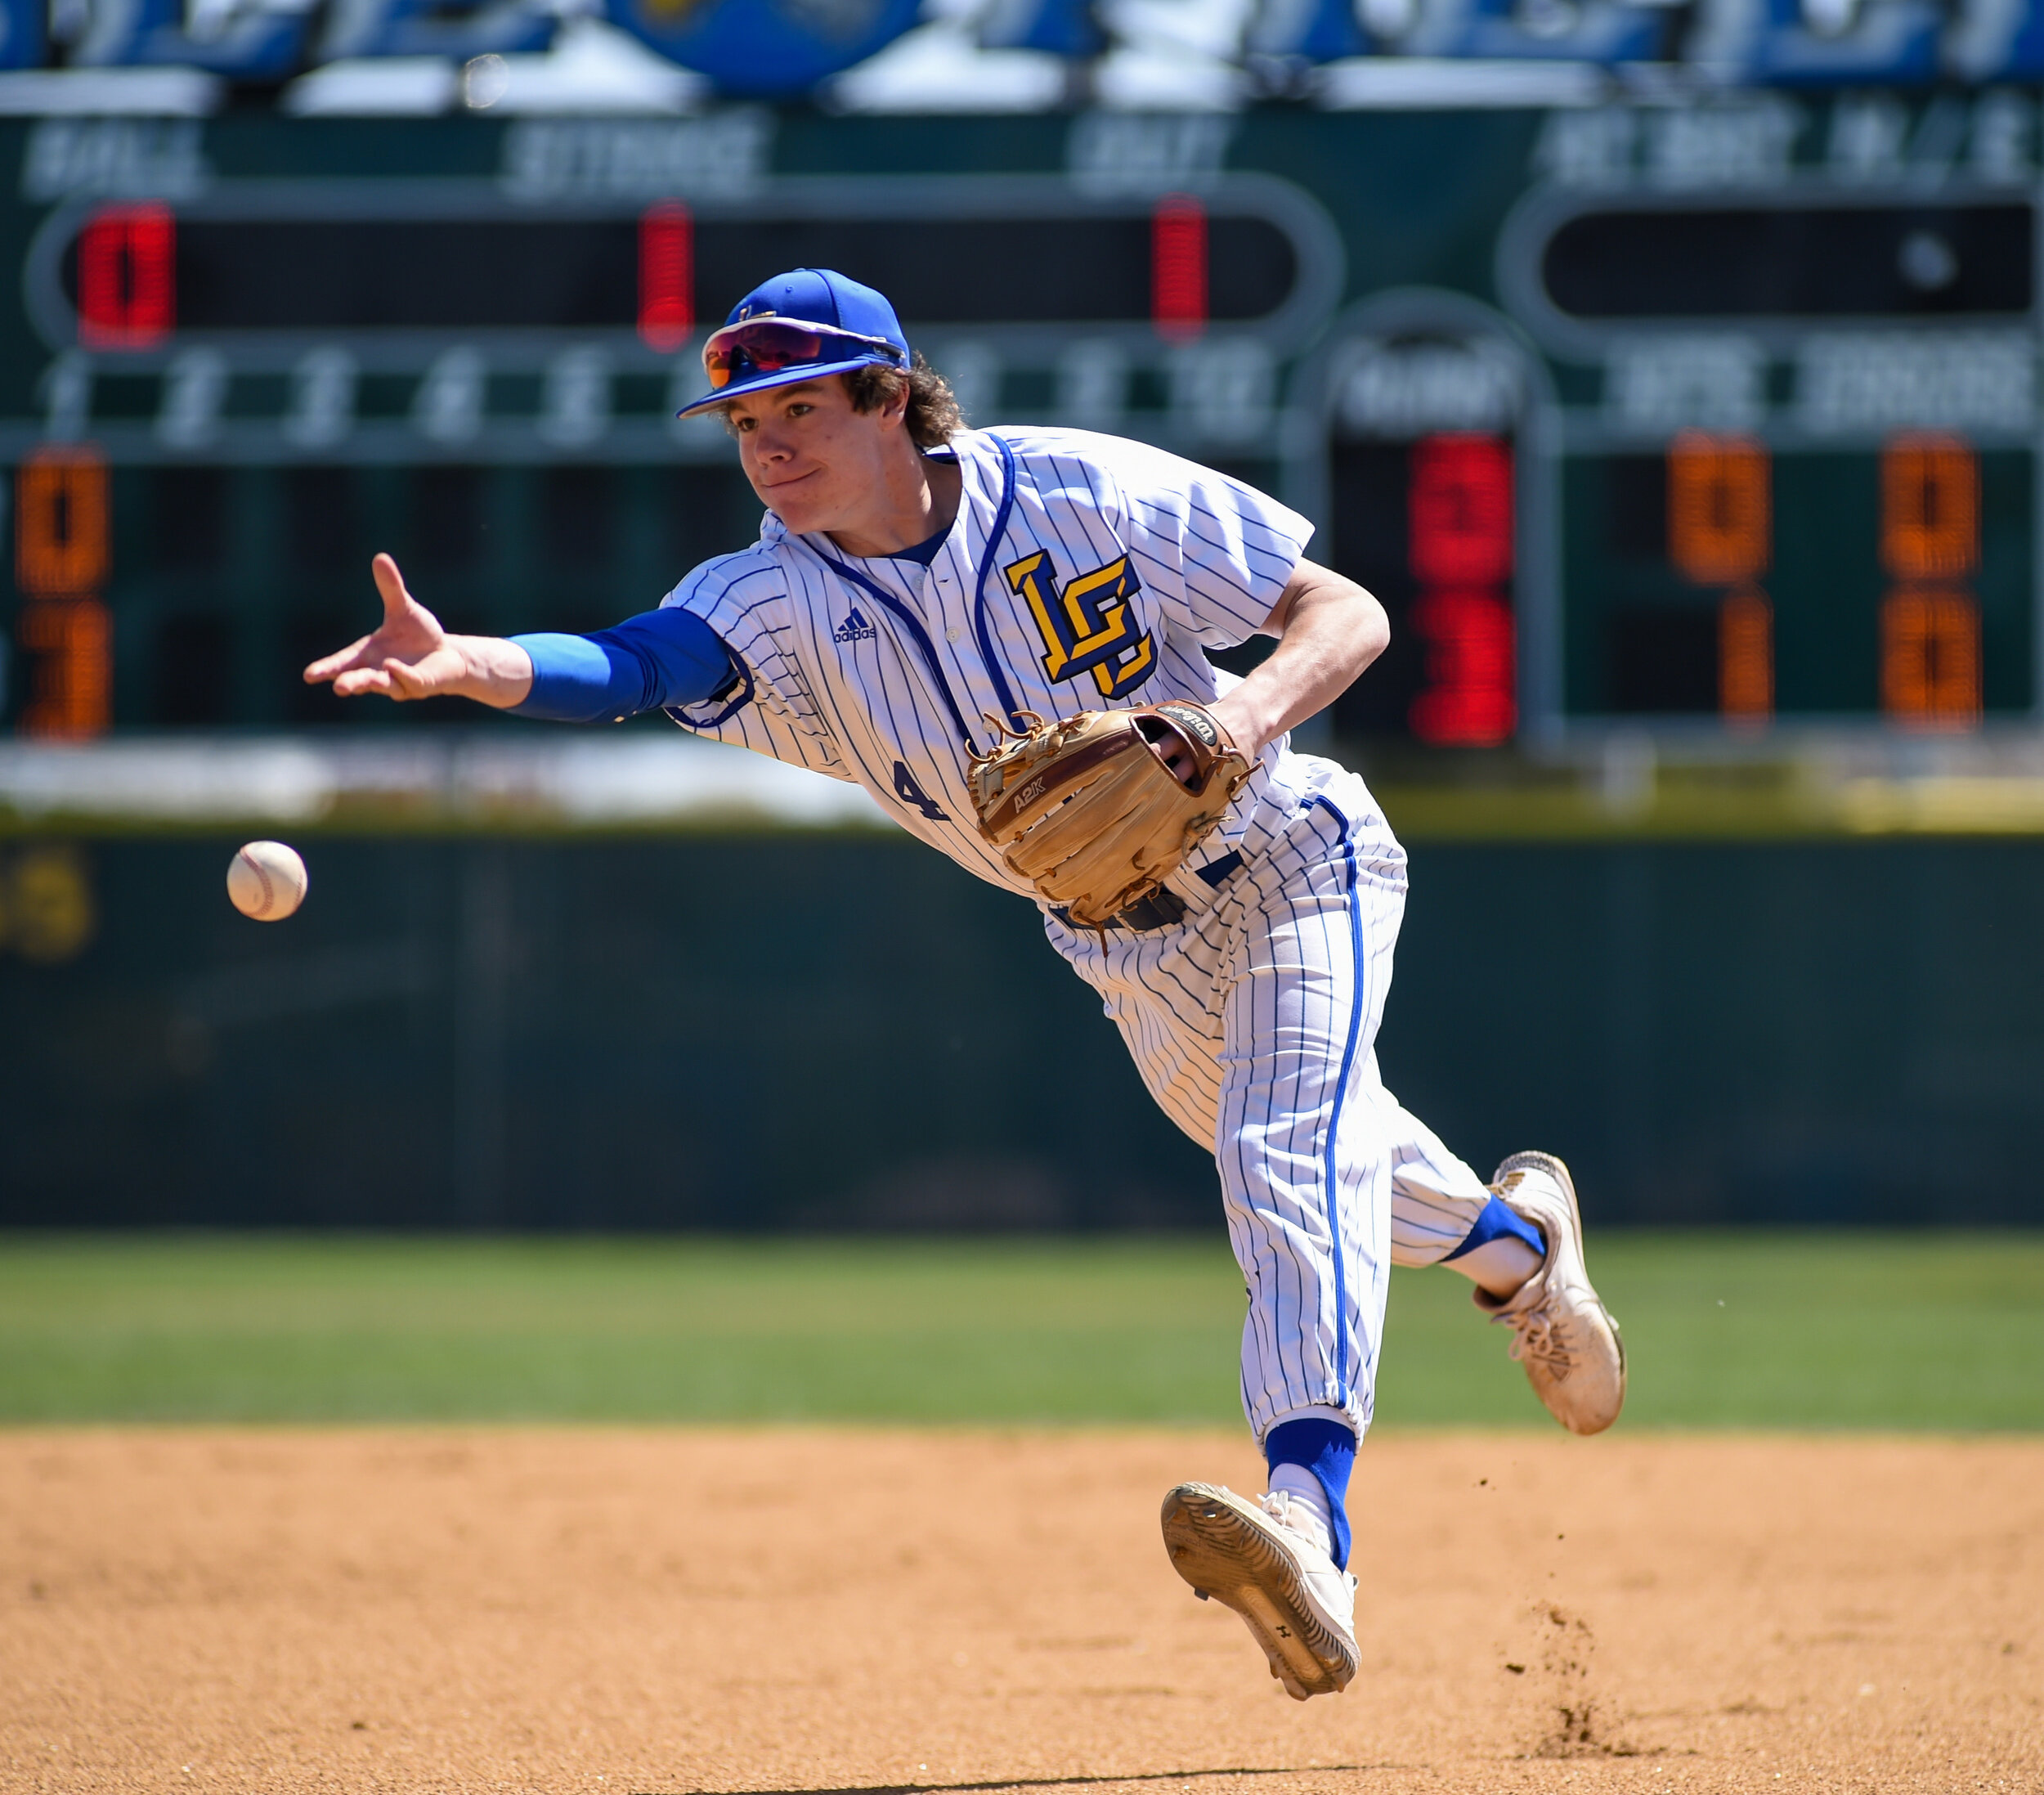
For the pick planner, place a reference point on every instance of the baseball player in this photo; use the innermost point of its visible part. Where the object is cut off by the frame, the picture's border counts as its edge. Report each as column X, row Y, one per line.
column 922, row 597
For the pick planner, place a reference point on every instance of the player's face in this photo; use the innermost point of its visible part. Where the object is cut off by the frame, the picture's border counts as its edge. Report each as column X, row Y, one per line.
column 816, row 462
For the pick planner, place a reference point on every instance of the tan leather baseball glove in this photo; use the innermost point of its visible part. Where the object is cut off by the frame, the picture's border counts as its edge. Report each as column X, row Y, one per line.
column 1088, row 810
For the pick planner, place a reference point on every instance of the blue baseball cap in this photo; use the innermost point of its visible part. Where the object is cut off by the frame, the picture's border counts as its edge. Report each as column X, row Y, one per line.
column 802, row 325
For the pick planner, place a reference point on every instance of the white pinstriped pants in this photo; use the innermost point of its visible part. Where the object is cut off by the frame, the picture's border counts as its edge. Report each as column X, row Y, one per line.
column 1254, row 1024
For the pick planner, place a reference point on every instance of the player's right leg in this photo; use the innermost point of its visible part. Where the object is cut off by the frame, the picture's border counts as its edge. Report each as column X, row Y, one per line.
column 1306, row 1186
column 1267, row 1023
column 1277, row 1559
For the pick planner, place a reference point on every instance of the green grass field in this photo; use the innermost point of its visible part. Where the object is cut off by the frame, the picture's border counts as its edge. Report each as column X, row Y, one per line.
column 1837, row 1331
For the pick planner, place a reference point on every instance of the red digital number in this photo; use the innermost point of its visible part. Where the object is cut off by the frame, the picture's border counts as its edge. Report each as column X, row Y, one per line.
column 1460, row 510
column 1178, row 267
column 666, row 276
column 1469, row 699
column 128, row 277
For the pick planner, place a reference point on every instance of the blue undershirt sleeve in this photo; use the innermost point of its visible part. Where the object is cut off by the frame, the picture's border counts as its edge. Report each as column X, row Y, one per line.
column 657, row 658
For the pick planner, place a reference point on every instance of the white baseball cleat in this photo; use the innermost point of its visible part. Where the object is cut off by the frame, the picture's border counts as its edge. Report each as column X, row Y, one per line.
column 1248, row 1555
column 1567, row 1340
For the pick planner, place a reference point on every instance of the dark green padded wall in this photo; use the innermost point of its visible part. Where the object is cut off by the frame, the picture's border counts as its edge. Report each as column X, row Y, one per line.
column 843, row 1032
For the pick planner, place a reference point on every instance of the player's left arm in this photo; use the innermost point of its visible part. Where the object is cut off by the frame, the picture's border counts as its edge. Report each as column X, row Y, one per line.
column 1329, row 630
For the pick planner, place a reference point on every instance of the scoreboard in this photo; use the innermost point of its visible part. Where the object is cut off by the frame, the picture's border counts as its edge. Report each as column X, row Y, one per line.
column 1712, row 420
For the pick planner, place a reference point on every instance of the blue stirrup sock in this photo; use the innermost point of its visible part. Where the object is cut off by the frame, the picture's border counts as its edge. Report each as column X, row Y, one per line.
column 1499, row 1222
column 1326, row 1449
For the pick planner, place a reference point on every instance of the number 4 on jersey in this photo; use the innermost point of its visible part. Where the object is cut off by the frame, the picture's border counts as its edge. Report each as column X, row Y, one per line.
column 913, row 795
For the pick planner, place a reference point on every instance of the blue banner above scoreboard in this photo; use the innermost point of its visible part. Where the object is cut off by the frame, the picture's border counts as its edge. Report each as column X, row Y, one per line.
column 766, row 48
column 1007, row 57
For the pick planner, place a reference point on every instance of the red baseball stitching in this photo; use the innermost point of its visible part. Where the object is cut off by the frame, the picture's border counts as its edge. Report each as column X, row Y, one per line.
column 269, row 897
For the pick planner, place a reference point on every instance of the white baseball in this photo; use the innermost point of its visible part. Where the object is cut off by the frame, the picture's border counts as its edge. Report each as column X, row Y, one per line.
column 267, row 881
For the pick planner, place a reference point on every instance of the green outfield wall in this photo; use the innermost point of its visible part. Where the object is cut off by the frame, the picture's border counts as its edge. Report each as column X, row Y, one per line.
column 835, row 1031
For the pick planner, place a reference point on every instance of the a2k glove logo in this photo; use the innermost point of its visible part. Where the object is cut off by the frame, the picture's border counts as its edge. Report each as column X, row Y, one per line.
column 1090, row 627
column 855, row 629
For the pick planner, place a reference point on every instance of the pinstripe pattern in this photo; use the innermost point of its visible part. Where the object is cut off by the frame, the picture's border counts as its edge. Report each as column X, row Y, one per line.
column 1253, row 1025
column 1252, row 1022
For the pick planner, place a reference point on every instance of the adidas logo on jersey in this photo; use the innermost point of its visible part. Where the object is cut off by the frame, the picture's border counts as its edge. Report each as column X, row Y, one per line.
column 854, row 629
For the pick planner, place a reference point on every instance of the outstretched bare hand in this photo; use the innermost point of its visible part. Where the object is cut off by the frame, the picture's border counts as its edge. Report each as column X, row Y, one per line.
column 408, row 656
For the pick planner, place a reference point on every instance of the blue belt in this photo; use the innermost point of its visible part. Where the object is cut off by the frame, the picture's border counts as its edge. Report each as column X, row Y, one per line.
column 1162, row 910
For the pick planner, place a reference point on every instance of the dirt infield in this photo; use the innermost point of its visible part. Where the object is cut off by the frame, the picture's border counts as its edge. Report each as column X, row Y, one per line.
column 609, row 1611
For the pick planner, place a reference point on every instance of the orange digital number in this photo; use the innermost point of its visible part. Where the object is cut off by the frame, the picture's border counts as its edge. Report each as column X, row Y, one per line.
column 60, row 522
column 1720, row 508
column 1929, row 508
column 1745, row 656
column 1930, row 658
column 71, row 690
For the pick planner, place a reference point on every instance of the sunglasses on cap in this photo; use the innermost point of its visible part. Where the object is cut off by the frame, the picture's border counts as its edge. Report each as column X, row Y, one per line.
column 773, row 345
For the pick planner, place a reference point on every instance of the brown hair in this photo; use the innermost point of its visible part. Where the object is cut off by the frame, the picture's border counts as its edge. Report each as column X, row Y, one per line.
column 933, row 416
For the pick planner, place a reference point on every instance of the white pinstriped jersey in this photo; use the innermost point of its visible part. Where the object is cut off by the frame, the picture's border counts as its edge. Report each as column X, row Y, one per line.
column 1094, row 586
column 1085, row 571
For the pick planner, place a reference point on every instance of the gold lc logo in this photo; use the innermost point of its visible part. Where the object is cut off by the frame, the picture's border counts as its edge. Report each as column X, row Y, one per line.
column 1090, row 627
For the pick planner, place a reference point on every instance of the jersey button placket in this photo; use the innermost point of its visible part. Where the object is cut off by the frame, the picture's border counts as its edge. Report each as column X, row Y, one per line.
column 946, row 591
